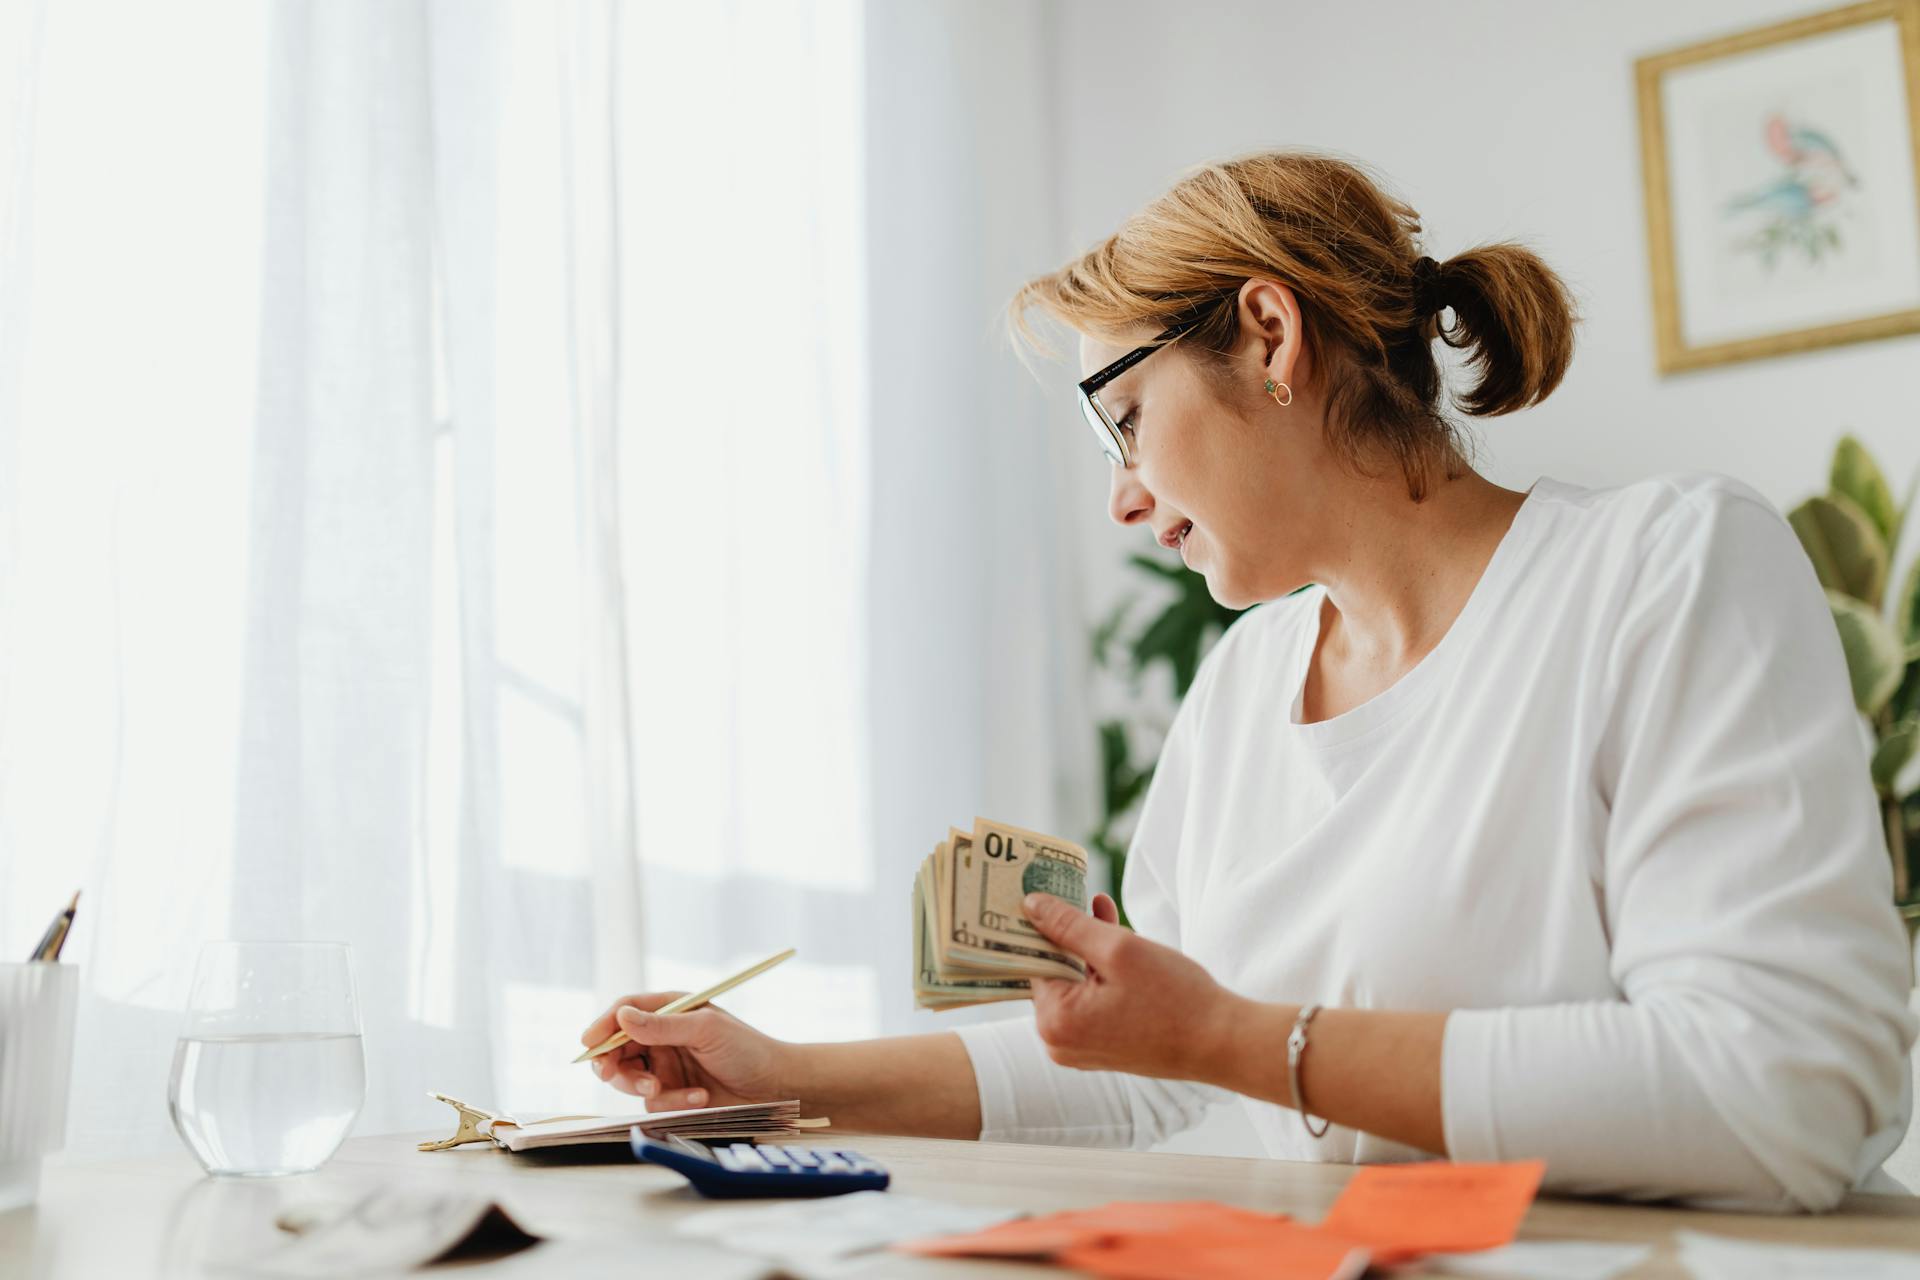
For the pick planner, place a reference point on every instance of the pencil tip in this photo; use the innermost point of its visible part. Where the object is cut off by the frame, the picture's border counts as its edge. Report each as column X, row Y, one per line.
column 75, row 904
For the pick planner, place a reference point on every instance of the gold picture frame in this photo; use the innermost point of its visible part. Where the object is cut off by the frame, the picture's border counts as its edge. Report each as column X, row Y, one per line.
column 1795, row 221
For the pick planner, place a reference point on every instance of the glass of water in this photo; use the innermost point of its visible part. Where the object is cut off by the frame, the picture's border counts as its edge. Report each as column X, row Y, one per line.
column 268, row 1074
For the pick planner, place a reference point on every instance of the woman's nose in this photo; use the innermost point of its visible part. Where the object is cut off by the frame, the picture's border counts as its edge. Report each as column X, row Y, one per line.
column 1128, row 501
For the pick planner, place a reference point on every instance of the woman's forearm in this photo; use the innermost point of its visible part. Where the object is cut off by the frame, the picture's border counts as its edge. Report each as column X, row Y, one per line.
column 919, row 1085
column 1148, row 1009
column 1373, row 1070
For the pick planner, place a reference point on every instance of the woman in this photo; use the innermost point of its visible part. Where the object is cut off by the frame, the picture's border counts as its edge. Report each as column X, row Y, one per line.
column 1555, row 802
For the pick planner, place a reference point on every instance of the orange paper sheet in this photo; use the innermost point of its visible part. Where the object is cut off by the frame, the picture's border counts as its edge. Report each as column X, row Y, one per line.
column 1386, row 1214
column 1404, row 1210
column 1055, row 1232
column 1279, row 1250
column 1176, row 1240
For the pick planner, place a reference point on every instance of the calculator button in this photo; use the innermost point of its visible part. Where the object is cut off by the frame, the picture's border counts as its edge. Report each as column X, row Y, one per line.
column 803, row 1157
column 832, row 1163
column 727, row 1159
column 748, row 1157
column 774, row 1156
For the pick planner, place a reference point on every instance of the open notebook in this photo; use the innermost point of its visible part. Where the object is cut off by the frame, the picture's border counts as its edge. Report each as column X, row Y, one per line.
column 746, row 1121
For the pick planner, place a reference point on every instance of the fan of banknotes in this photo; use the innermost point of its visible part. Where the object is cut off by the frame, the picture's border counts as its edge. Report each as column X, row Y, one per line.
column 972, row 941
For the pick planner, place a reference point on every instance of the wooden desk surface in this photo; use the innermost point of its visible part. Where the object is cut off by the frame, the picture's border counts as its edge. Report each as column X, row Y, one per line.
column 162, row 1217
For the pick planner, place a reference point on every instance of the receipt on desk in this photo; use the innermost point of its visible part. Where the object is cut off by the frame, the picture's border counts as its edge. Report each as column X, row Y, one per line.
column 1721, row 1258
column 1543, row 1260
column 821, row 1230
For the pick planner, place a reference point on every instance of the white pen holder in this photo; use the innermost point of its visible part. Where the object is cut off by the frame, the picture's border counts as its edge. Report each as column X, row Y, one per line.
column 37, row 1002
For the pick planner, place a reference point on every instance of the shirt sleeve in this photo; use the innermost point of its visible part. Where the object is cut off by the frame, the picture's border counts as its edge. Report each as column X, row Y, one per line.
column 1756, row 1057
column 1025, row 1096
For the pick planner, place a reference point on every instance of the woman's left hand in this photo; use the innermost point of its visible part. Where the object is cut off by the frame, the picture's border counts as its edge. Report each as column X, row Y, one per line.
column 1144, row 1008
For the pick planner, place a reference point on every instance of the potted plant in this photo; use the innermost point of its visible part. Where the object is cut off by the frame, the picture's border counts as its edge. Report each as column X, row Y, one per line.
column 1851, row 534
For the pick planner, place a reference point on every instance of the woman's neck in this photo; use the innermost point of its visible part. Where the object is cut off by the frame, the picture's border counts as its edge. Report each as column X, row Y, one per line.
column 1404, row 570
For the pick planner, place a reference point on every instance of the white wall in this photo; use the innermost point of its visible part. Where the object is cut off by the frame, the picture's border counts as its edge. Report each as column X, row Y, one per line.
column 1496, row 119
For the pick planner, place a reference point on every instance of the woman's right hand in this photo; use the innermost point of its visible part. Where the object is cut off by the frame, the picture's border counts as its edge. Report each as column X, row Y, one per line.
column 703, row 1058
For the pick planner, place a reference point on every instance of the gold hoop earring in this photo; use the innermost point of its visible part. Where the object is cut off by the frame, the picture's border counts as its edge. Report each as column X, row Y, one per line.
column 1273, row 389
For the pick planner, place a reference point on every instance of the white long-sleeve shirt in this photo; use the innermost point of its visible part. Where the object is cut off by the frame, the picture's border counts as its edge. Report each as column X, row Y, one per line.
column 1618, row 821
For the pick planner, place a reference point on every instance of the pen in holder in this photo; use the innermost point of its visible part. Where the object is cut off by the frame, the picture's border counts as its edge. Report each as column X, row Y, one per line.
column 37, row 1002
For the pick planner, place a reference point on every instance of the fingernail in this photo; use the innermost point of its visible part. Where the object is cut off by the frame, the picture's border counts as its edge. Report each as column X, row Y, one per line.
column 1032, row 902
column 646, row 1088
column 698, row 1097
column 627, row 1011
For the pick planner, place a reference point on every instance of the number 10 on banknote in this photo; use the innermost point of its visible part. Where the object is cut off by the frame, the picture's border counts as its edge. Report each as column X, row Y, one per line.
column 972, row 940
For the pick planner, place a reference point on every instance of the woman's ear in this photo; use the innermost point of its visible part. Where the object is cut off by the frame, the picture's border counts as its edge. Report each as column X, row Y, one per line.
column 1270, row 326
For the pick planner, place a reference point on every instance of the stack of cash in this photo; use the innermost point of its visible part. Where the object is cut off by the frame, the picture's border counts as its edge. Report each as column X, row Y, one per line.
column 972, row 942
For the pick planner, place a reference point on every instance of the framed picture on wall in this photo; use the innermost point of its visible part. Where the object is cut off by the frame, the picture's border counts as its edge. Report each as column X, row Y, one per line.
column 1782, row 179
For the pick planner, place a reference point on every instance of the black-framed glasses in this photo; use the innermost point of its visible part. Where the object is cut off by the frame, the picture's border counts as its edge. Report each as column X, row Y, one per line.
column 1116, row 440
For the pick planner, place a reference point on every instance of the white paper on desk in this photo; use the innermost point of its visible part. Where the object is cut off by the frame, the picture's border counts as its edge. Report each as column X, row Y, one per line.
column 828, row 1229
column 1543, row 1260
column 1720, row 1258
column 388, row 1230
column 624, row 1258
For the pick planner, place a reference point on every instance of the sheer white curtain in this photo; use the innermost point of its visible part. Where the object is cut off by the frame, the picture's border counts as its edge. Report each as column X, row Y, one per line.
column 125, row 514
column 851, row 598
column 429, row 568
column 309, row 572
column 473, row 457
column 744, row 500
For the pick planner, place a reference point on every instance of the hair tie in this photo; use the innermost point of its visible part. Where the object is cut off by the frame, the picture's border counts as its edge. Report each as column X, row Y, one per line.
column 1426, row 287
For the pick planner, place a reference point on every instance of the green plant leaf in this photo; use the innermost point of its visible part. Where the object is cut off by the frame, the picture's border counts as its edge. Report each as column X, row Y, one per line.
column 1906, row 623
column 1121, row 783
column 1875, row 657
column 1906, row 613
column 1117, row 869
column 1846, row 548
column 1184, row 629
column 1174, row 638
column 1906, row 699
column 1906, row 509
column 1891, row 756
column 1104, row 633
column 1857, row 475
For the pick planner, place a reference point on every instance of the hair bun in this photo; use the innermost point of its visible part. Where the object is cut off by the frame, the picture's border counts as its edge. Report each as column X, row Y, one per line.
column 1427, row 287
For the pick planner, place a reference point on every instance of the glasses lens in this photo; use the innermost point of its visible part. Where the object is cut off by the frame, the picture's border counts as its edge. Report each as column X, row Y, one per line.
column 1103, row 432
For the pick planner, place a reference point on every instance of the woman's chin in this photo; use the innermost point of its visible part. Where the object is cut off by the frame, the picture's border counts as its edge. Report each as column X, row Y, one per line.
column 1230, row 593
column 1225, row 592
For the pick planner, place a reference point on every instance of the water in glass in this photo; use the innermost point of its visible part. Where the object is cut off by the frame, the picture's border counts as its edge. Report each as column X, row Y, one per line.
column 266, row 1104
column 268, row 1074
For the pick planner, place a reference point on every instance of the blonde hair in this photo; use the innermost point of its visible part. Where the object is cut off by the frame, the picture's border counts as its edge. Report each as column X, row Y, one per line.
column 1325, row 226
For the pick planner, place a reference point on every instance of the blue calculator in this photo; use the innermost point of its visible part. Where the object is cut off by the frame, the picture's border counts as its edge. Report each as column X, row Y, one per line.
column 733, row 1170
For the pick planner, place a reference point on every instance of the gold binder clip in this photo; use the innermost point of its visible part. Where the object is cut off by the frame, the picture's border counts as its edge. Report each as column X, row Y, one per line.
column 471, row 1119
